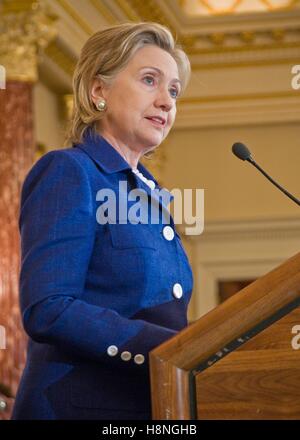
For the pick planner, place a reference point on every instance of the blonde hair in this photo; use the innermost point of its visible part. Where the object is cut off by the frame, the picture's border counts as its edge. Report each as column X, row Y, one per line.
column 103, row 56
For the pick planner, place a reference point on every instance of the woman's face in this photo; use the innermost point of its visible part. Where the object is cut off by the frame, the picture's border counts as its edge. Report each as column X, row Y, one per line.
column 144, row 90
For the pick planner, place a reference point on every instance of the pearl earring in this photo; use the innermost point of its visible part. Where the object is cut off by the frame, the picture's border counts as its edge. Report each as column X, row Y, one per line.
column 101, row 105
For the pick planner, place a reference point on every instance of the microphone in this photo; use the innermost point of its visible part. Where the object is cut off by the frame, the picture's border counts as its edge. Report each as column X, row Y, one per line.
column 242, row 152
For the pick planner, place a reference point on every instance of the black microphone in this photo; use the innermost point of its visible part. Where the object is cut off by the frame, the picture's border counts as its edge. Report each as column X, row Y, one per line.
column 242, row 152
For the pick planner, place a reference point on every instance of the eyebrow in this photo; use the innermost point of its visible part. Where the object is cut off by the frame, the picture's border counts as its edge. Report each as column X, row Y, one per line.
column 161, row 73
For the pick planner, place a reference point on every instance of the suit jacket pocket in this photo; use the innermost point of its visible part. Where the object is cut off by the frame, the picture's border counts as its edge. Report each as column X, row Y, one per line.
column 132, row 235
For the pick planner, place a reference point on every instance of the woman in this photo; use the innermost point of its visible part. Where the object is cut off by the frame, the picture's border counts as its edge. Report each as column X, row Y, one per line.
column 98, row 293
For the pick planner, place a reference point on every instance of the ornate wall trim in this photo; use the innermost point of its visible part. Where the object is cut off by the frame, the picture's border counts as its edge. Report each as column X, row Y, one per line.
column 25, row 31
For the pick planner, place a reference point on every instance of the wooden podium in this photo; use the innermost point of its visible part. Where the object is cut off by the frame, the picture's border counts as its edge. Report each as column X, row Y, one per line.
column 239, row 361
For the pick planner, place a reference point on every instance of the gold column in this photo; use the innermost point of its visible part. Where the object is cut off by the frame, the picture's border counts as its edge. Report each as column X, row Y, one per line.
column 26, row 29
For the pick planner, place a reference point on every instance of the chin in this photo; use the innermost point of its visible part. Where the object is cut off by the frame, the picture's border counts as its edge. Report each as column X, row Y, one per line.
column 151, row 142
column 150, row 149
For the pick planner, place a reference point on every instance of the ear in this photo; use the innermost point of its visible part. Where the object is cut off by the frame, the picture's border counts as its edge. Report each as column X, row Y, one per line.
column 97, row 90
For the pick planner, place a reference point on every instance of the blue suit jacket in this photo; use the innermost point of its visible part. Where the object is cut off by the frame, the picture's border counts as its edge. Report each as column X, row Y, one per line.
column 90, row 292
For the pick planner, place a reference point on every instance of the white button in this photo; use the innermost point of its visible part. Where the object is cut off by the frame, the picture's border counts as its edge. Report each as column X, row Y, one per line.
column 168, row 233
column 177, row 290
column 126, row 356
column 139, row 359
column 3, row 405
column 112, row 350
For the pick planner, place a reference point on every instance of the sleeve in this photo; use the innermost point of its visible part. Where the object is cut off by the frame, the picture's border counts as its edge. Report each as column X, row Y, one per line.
column 57, row 226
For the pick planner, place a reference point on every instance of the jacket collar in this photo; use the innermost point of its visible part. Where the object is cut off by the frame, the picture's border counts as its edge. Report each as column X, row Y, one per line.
column 102, row 152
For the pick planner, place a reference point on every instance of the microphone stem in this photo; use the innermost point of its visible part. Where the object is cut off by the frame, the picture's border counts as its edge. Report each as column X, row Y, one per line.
column 252, row 161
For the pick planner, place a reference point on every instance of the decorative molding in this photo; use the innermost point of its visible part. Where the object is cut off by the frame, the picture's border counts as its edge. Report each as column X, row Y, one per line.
column 211, row 42
column 149, row 10
column 225, row 61
column 208, row 7
column 104, row 11
column 128, row 9
column 76, row 16
column 242, row 97
column 220, row 36
column 268, row 229
column 26, row 30
column 61, row 57
column 287, row 54
column 235, row 110
column 229, row 22
column 54, row 77
column 260, row 41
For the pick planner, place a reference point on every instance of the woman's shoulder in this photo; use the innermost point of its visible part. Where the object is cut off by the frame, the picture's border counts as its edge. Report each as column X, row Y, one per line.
column 61, row 160
column 67, row 157
column 65, row 165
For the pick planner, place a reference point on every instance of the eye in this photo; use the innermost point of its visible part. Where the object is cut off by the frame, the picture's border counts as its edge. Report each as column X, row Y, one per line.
column 148, row 79
column 174, row 92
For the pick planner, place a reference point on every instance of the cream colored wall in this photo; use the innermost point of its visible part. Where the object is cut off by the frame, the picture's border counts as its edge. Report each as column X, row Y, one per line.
column 234, row 190
column 48, row 119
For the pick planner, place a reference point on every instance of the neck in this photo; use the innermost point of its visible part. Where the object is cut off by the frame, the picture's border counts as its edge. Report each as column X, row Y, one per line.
column 131, row 156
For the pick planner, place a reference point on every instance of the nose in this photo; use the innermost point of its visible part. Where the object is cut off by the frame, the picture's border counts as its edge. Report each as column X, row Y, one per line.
column 164, row 100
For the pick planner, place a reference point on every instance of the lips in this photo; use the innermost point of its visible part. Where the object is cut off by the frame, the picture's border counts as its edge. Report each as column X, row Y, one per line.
column 157, row 120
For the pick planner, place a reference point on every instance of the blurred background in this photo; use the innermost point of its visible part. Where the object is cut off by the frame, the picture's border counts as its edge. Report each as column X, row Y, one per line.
column 244, row 87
